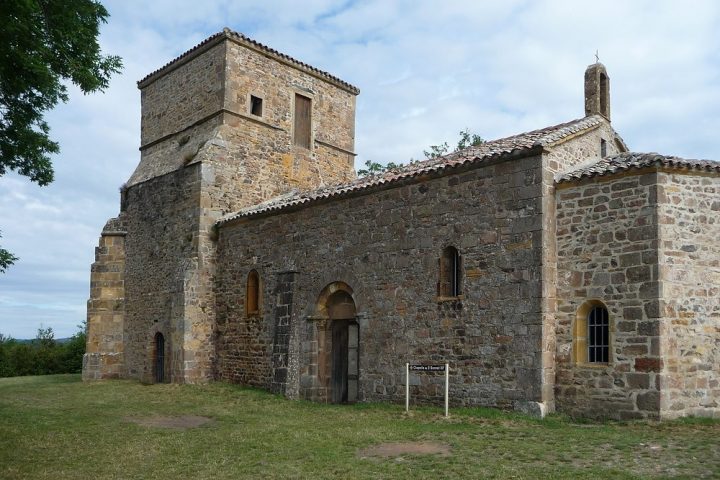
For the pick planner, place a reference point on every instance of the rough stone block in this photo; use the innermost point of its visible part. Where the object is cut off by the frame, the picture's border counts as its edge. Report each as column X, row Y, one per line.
column 648, row 401
column 648, row 364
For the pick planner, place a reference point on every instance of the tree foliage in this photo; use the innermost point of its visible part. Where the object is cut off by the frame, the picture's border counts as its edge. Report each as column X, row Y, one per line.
column 373, row 168
column 42, row 356
column 467, row 139
column 6, row 259
column 44, row 42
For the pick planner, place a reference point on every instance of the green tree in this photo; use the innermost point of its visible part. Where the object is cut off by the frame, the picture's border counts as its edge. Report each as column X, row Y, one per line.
column 436, row 151
column 44, row 42
column 467, row 139
column 46, row 352
column 6, row 259
column 73, row 351
column 6, row 344
column 371, row 168
column 22, row 360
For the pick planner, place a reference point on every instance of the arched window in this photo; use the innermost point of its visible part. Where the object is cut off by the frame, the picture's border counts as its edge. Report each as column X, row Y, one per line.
column 591, row 335
column 450, row 278
column 252, row 294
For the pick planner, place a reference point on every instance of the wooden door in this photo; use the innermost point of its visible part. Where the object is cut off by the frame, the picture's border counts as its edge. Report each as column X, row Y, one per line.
column 159, row 358
column 339, row 375
column 353, row 361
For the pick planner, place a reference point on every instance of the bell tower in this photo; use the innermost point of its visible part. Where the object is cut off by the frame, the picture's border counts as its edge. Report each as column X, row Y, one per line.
column 226, row 125
column 597, row 91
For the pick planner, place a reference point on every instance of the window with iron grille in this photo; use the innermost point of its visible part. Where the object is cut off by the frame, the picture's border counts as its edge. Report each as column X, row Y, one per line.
column 598, row 335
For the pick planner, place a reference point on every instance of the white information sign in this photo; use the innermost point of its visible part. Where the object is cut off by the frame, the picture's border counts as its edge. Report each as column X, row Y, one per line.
column 426, row 368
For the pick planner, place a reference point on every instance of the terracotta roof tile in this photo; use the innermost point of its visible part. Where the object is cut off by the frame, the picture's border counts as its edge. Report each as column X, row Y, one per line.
column 515, row 145
column 240, row 38
column 633, row 160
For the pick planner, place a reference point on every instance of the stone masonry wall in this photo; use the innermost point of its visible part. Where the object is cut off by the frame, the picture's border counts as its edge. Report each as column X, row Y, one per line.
column 161, row 248
column 331, row 158
column 184, row 96
column 607, row 244
column 203, row 155
column 104, row 354
column 689, row 218
column 582, row 149
column 333, row 108
column 250, row 159
column 216, row 86
column 386, row 246
column 284, row 295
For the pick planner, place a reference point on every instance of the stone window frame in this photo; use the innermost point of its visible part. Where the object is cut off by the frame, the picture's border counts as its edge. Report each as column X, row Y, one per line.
column 580, row 347
column 250, row 97
column 253, row 294
column 449, row 289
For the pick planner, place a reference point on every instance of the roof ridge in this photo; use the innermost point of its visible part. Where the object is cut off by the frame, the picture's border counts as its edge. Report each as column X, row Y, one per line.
column 520, row 144
column 626, row 161
column 244, row 39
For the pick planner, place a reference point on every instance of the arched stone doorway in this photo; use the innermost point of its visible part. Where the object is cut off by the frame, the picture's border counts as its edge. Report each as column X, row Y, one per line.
column 159, row 356
column 338, row 337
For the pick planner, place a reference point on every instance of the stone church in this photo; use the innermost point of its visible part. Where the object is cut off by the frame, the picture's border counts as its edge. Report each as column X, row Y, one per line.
column 553, row 270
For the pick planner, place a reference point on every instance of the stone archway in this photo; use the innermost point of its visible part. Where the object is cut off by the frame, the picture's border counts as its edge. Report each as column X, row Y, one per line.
column 338, row 337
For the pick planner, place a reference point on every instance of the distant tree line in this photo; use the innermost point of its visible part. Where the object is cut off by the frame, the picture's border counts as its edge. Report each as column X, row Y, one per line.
column 41, row 356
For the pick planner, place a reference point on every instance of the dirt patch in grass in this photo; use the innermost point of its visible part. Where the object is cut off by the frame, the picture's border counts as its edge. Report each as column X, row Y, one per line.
column 182, row 422
column 385, row 450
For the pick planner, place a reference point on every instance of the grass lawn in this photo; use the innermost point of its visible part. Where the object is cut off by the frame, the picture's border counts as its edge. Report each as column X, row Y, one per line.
column 57, row 427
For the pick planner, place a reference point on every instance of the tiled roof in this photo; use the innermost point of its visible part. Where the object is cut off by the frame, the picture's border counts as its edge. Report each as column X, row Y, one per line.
column 495, row 149
column 242, row 39
column 632, row 160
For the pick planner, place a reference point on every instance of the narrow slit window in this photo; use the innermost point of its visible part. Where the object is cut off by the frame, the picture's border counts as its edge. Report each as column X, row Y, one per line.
column 256, row 105
column 303, row 121
column 252, row 297
column 450, row 273
column 603, row 148
column 598, row 335
column 604, row 95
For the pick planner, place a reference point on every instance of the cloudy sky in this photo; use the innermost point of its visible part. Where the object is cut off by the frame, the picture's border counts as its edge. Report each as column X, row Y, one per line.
column 426, row 70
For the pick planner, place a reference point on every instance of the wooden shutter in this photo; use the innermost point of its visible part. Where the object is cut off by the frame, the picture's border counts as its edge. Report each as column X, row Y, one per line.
column 301, row 132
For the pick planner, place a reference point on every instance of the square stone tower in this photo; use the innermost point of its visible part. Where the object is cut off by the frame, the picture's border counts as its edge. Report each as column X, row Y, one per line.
column 226, row 125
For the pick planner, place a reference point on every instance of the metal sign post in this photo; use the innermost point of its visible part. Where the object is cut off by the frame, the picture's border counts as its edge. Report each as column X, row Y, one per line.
column 427, row 368
column 447, row 385
column 407, row 387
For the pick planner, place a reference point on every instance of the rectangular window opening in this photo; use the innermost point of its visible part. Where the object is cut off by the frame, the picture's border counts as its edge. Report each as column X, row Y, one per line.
column 301, row 132
column 256, row 106
column 455, row 287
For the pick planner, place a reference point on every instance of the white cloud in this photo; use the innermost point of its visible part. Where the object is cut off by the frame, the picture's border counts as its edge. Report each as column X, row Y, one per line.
column 426, row 70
